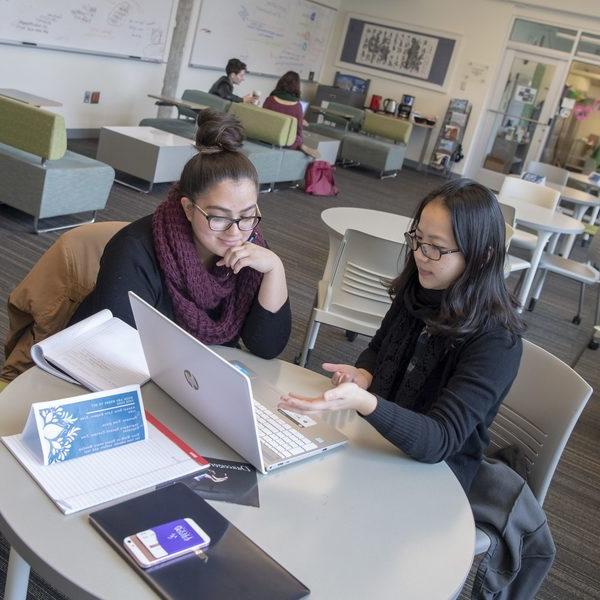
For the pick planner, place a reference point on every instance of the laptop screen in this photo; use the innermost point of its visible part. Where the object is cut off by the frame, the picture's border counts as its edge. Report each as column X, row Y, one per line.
column 304, row 104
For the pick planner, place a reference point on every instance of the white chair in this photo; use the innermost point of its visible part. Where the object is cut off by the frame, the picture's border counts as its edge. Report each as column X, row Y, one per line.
column 356, row 298
column 533, row 193
column 585, row 273
column 538, row 416
column 556, row 178
column 511, row 263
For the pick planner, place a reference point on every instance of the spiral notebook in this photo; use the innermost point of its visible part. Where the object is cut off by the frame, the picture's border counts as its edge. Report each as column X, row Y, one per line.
column 232, row 567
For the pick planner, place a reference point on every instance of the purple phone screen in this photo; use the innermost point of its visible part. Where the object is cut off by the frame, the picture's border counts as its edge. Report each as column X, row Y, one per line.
column 170, row 538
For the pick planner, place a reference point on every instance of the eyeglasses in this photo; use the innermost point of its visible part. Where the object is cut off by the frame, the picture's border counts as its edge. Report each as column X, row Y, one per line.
column 430, row 251
column 224, row 223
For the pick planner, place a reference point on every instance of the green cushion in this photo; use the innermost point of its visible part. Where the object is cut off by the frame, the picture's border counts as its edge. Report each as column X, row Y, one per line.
column 32, row 129
column 266, row 125
column 392, row 128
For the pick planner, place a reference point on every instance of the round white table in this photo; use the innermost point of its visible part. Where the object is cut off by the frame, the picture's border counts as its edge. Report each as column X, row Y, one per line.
column 546, row 223
column 582, row 201
column 361, row 521
column 585, row 180
column 387, row 226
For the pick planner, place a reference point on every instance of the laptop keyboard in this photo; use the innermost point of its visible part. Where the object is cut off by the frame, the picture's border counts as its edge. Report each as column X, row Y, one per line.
column 279, row 436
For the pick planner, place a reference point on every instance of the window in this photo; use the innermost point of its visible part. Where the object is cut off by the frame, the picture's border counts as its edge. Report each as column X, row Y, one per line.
column 589, row 46
column 543, row 35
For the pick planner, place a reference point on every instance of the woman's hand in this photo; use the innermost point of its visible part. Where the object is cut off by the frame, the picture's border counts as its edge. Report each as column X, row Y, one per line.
column 304, row 123
column 250, row 255
column 344, row 396
column 347, row 373
column 272, row 293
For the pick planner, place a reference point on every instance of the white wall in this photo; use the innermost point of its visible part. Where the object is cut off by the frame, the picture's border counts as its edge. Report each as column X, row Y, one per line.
column 124, row 84
column 202, row 79
column 483, row 26
column 65, row 76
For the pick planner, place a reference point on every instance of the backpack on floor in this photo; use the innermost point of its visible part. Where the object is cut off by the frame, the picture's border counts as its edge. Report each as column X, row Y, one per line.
column 318, row 179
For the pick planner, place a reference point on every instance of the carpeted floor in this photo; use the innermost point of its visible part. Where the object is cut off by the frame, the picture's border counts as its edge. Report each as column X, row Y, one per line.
column 291, row 222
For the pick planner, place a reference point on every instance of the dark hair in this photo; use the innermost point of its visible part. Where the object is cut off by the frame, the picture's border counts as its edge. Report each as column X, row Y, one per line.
column 290, row 83
column 478, row 298
column 218, row 139
column 234, row 65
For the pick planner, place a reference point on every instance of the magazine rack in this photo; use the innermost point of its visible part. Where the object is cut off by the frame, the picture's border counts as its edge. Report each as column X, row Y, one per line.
column 448, row 147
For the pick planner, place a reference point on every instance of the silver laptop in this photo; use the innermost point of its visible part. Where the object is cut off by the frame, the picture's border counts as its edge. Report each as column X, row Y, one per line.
column 228, row 398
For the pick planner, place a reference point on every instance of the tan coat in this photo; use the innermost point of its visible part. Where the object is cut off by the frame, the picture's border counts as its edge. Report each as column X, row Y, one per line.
column 44, row 302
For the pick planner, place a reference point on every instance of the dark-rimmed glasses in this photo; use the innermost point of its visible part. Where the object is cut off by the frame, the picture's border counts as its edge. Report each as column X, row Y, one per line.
column 216, row 223
column 430, row 251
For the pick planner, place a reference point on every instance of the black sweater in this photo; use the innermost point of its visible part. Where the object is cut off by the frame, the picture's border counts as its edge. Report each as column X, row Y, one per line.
column 129, row 263
column 223, row 88
column 456, row 406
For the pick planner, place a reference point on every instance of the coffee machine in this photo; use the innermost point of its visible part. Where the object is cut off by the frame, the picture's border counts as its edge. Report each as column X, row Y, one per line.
column 406, row 105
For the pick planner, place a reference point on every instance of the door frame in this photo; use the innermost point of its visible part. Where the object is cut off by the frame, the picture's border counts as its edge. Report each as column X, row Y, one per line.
column 484, row 142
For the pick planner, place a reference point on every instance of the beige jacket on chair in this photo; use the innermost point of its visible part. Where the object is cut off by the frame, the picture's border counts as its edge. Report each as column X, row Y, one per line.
column 44, row 302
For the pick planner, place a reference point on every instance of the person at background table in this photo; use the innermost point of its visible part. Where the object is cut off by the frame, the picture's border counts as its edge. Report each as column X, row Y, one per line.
column 235, row 73
column 285, row 99
column 201, row 258
column 432, row 378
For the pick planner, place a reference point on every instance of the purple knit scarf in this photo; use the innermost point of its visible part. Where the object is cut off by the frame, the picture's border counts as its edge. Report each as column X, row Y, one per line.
column 193, row 288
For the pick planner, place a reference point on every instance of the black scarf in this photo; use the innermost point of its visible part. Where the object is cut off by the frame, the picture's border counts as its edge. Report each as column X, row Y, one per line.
column 285, row 96
column 408, row 353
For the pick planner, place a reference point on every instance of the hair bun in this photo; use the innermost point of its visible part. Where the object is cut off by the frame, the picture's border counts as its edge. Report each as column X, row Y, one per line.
column 218, row 132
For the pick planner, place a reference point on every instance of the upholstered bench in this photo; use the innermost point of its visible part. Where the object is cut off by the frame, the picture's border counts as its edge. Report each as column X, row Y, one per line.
column 39, row 175
column 267, row 133
column 380, row 145
column 185, row 123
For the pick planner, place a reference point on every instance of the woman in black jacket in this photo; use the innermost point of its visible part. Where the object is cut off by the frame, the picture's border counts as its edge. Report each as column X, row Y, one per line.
column 433, row 377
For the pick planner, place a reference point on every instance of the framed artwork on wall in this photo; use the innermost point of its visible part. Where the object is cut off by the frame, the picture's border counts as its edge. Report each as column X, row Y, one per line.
column 397, row 51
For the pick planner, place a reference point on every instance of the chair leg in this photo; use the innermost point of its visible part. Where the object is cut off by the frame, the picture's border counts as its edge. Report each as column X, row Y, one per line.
column 577, row 318
column 36, row 221
column 520, row 282
column 310, row 338
column 538, row 289
column 17, row 577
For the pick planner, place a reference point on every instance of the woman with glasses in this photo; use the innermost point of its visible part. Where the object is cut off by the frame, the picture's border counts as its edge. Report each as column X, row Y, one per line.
column 432, row 378
column 201, row 259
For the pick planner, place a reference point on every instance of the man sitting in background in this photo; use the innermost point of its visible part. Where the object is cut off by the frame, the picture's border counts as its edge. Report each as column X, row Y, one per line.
column 223, row 87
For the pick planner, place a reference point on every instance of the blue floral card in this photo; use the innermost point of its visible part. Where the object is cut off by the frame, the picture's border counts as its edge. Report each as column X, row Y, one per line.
column 60, row 430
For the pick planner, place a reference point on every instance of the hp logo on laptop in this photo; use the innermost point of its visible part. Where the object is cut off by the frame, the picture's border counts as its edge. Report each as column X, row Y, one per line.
column 192, row 382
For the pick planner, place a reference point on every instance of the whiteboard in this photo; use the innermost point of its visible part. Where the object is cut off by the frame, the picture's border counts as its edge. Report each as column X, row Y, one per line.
column 129, row 28
column 270, row 36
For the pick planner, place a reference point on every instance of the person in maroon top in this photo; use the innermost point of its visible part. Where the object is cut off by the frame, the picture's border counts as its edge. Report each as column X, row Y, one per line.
column 285, row 99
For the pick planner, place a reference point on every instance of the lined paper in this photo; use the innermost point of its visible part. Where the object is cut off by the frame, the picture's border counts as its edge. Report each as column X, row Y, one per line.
column 78, row 484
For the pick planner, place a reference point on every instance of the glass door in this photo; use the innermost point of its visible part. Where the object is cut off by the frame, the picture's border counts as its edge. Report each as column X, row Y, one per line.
column 520, row 114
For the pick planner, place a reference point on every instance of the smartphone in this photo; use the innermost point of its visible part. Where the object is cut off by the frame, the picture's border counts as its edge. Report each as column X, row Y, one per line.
column 165, row 542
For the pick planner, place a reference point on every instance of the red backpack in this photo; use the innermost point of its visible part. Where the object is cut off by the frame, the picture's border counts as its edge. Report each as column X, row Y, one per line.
column 318, row 179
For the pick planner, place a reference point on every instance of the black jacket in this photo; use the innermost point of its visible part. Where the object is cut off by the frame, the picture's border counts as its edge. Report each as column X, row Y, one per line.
column 457, row 404
column 129, row 263
column 224, row 89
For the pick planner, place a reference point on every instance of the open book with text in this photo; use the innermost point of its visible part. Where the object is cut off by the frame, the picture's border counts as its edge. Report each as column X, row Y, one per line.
column 101, row 352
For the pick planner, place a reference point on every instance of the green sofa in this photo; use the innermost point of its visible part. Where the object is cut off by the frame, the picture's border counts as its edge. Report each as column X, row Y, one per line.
column 267, row 132
column 39, row 175
column 185, row 123
column 380, row 144
column 370, row 139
